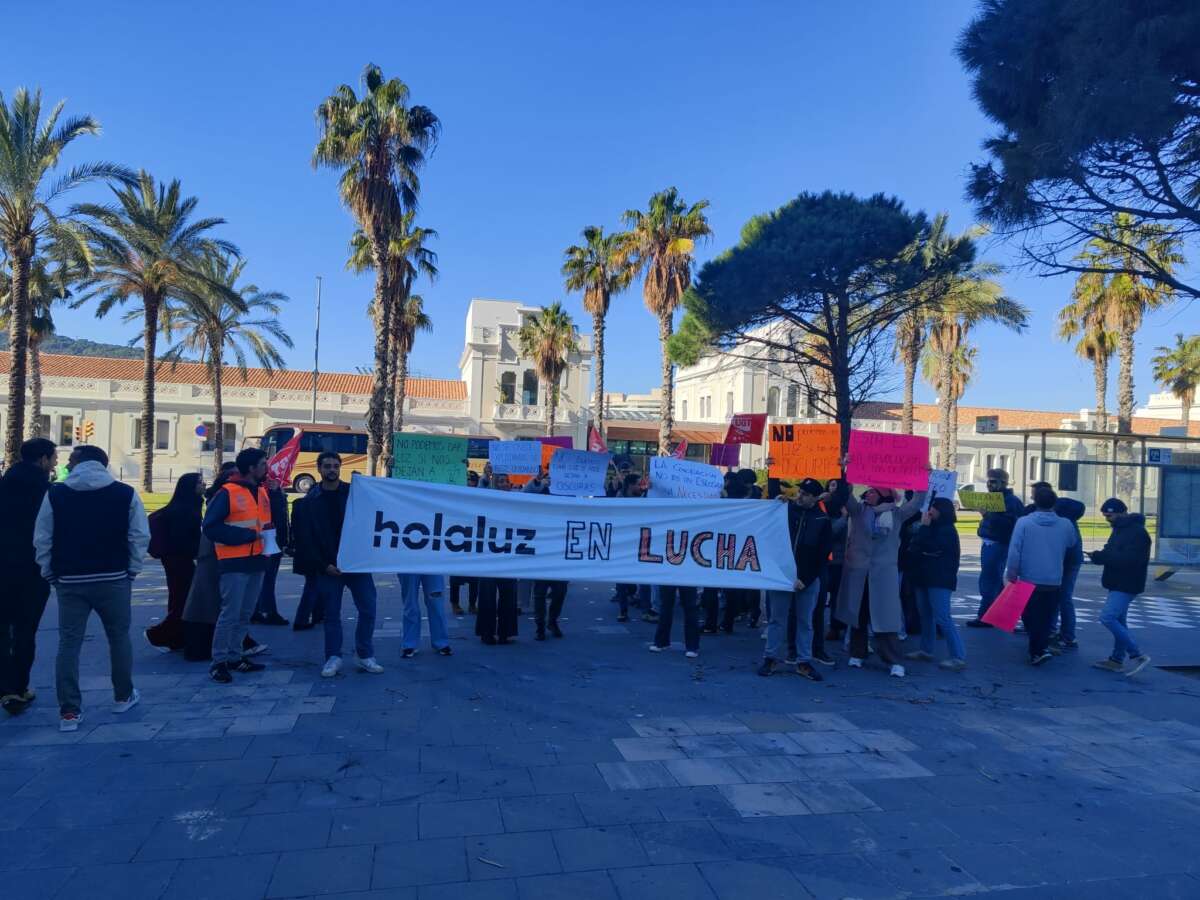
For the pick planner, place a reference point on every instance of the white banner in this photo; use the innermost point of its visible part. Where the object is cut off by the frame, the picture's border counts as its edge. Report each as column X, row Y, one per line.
column 578, row 473
column 670, row 477
column 420, row 528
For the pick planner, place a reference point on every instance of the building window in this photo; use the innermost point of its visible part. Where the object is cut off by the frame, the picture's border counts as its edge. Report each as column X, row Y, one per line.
column 66, row 431
column 1004, row 462
column 162, row 434
column 210, row 443
column 1035, row 473
column 508, row 387
column 773, row 402
column 810, row 404
column 729, row 403
column 43, row 425
column 990, row 459
column 529, row 388
column 793, row 401
column 683, row 415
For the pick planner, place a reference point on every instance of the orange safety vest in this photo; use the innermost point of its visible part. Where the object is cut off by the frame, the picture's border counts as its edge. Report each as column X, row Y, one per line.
column 245, row 511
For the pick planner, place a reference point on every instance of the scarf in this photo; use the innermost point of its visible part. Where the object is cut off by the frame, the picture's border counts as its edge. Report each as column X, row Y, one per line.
column 881, row 519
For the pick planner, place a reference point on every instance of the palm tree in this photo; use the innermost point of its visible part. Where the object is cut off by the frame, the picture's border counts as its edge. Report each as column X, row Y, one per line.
column 912, row 331
column 148, row 247
column 209, row 325
column 548, row 338
column 1178, row 370
column 1096, row 343
column 1120, row 299
column 661, row 243
column 961, row 368
column 409, row 319
column 379, row 143
column 972, row 299
column 600, row 268
column 29, row 149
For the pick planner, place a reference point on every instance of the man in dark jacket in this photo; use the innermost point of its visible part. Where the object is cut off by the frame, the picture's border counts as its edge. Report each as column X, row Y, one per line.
column 1126, row 558
column 266, row 611
column 995, row 530
column 23, row 599
column 812, row 539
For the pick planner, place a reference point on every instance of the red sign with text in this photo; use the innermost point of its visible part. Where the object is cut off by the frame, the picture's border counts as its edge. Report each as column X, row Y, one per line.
column 746, row 428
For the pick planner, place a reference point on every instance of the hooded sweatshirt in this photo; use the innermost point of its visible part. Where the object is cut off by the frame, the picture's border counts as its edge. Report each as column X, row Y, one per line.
column 1126, row 556
column 90, row 528
column 1039, row 547
column 1072, row 511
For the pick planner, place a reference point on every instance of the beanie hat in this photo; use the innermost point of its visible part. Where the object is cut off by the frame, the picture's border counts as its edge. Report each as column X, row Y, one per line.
column 812, row 486
column 1113, row 505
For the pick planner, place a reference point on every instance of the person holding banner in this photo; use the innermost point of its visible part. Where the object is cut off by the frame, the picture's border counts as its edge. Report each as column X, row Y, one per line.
column 869, row 595
column 934, row 558
column 666, row 616
column 812, row 540
column 1037, row 554
column 497, row 616
column 434, row 589
column 995, row 530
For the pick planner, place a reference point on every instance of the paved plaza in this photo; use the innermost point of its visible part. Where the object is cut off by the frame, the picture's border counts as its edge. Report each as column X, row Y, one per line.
column 589, row 769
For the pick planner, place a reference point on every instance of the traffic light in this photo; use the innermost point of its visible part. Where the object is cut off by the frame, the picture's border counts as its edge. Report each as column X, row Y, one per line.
column 79, row 434
column 84, row 432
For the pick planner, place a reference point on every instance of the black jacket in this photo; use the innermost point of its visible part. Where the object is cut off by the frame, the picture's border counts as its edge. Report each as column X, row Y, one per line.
column 934, row 552
column 998, row 526
column 21, row 492
column 812, row 539
column 1126, row 556
column 317, row 528
column 279, row 516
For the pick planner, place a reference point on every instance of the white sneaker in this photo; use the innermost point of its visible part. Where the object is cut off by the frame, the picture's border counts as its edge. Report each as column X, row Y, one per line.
column 692, row 654
column 332, row 666
column 124, row 706
column 898, row 672
column 855, row 663
column 654, row 648
column 368, row 665
column 70, row 722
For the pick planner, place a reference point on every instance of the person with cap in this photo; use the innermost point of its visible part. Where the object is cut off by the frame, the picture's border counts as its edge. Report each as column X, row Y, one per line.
column 812, row 539
column 1037, row 554
column 1126, row 559
column 995, row 530
column 933, row 556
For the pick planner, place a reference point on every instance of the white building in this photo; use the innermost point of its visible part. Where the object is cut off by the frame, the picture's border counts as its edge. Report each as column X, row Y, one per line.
column 108, row 394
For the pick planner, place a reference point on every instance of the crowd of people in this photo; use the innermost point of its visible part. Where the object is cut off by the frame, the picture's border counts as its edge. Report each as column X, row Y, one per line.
column 871, row 571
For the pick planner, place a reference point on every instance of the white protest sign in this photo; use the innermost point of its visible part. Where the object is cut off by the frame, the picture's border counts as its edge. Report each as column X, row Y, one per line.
column 680, row 478
column 578, row 473
column 942, row 483
column 515, row 457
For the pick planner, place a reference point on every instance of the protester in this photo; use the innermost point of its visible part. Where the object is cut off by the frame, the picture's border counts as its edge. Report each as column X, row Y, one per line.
column 812, row 538
column 830, row 582
column 908, row 594
column 496, row 620
column 90, row 541
column 934, row 557
column 456, row 584
column 631, row 485
column 318, row 535
column 1126, row 558
column 308, row 611
column 1062, row 625
column 1031, row 507
column 1036, row 554
column 666, row 615
column 869, row 595
column 557, row 591
column 434, row 589
column 237, row 521
column 738, row 601
column 995, row 530
column 266, row 610
column 175, row 541
column 25, row 593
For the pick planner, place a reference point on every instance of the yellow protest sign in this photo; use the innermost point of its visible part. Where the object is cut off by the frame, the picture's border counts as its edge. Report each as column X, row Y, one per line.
column 984, row 501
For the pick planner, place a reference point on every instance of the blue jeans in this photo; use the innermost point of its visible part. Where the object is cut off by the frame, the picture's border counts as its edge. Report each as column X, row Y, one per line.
column 435, row 605
column 934, row 604
column 1112, row 617
column 329, row 596
column 779, row 605
column 1064, row 616
column 992, row 560
column 266, row 596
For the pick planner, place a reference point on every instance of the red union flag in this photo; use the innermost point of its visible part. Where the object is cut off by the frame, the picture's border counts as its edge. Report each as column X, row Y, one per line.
column 279, row 466
column 680, row 449
column 746, row 428
column 595, row 441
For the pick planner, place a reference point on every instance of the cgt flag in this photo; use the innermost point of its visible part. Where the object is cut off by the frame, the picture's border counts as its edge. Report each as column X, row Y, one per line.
column 403, row 526
column 595, row 441
column 746, row 428
column 279, row 466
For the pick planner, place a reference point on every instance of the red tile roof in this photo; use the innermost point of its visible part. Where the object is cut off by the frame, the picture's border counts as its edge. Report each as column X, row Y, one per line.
column 1009, row 419
column 55, row 365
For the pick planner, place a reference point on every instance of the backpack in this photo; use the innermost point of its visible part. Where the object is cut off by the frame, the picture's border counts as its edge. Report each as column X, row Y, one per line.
column 158, row 533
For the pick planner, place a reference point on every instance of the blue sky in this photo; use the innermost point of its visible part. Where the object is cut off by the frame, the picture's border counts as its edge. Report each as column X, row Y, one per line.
column 555, row 116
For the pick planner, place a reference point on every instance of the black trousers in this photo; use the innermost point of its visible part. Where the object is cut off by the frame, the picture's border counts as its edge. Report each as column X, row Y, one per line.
column 666, row 616
column 1038, row 617
column 20, row 614
column 887, row 644
column 828, row 600
column 456, row 583
column 558, row 593
column 710, row 602
column 497, row 614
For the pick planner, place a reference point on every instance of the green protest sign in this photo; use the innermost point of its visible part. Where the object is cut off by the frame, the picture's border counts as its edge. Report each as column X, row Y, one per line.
column 436, row 458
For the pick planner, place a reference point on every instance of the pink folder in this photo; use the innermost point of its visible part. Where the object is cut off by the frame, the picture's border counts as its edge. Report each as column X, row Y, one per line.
column 1006, row 609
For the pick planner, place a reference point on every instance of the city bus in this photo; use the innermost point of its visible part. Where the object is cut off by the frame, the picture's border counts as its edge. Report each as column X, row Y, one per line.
column 350, row 443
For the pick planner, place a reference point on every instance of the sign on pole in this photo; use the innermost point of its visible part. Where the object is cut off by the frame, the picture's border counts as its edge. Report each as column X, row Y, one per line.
column 433, row 458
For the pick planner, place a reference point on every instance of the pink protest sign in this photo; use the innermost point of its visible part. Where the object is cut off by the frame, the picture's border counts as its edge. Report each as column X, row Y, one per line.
column 1006, row 609
column 888, row 460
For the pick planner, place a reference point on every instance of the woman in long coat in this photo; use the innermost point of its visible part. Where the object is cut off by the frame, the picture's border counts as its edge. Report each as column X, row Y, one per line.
column 177, row 526
column 869, row 594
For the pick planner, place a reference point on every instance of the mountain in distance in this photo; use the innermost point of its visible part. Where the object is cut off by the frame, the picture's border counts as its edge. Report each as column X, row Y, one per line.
column 69, row 346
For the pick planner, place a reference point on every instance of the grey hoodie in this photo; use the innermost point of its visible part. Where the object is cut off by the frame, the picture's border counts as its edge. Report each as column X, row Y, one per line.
column 91, row 476
column 1039, row 546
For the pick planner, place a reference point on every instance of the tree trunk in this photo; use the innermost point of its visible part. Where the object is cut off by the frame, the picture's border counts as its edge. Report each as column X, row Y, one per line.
column 1100, row 374
column 1188, row 399
column 1125, row 476
column 35, row 388
column 952, row 462
column 911, row 358
column 376, row 412
column 150, row 306
column 18, row 348
column 218, row 376
column 598, row 354
column 667, row 408
column 945, row 402
column 551, row 407
column 391, row 400
column 401, row 389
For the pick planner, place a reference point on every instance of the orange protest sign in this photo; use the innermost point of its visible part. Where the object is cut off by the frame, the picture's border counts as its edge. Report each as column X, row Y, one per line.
column 805, row 451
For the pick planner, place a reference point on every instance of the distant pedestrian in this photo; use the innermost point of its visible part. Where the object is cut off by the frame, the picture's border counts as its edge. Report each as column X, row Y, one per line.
column 90, row 539
column 995, row 531
column 933, row 556
column 175, row 542
column 238, row 522
column 1037, row 554
column 1126, row 559
column 23, row 599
